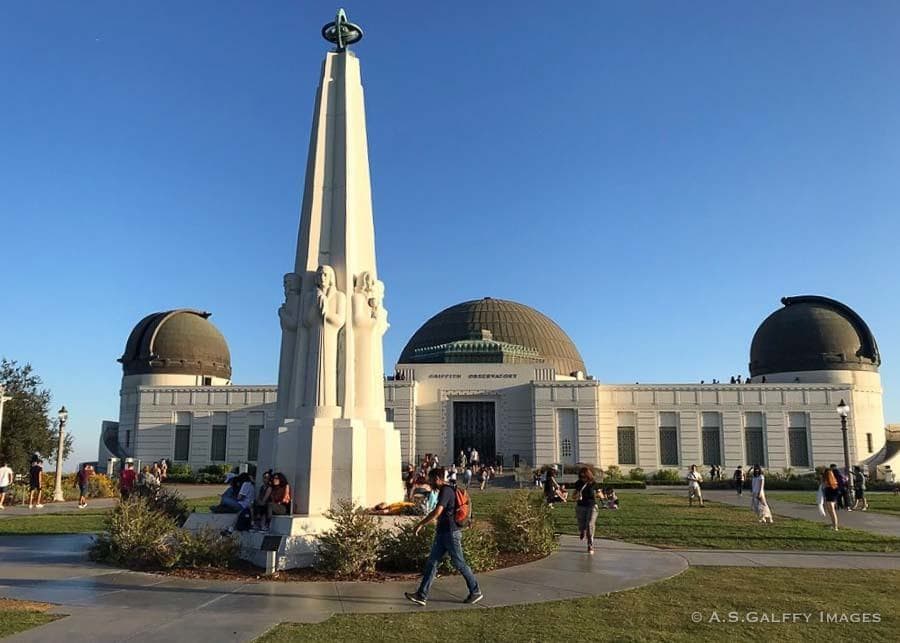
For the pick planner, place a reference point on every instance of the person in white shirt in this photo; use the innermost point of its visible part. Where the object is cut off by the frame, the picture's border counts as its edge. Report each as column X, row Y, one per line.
column 247, row 492
column 694, row 479
column 6, row 480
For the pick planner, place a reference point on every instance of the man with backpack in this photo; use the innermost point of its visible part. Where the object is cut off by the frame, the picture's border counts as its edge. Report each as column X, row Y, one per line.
column 451, row 513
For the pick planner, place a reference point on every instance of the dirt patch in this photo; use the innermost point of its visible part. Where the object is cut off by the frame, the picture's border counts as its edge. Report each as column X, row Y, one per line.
column 9, row 604
column 247, row 573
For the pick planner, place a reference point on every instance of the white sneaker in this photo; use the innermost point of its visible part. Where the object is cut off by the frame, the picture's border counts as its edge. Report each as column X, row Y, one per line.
column 31, row 506
column 39, row 506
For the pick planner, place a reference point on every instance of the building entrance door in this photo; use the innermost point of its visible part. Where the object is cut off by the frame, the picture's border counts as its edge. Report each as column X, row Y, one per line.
column 474, row 427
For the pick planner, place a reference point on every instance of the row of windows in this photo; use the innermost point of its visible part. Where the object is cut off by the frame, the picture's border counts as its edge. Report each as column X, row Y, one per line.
column 218, row 443
column 711, row 439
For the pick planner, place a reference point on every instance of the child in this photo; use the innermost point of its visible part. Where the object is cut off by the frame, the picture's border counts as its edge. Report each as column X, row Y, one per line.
column 612, row 500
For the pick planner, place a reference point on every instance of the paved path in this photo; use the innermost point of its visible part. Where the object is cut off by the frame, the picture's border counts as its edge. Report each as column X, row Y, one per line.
column 113, row 605
column 186, row 490
column 876, row 523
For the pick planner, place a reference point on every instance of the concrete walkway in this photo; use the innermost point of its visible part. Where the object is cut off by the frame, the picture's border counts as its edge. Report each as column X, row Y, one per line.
column 187, row 491
column 113, row 605
column 876, row 523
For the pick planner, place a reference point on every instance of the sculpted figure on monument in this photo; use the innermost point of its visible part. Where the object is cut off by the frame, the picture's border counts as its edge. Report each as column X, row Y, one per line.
column 369, row 325
column 288, row 314
column 324, row 317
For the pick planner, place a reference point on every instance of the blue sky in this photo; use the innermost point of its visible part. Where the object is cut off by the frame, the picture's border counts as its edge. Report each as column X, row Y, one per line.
column 655, row 176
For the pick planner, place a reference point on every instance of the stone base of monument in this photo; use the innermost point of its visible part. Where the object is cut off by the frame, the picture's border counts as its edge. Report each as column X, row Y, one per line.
column 290, row 543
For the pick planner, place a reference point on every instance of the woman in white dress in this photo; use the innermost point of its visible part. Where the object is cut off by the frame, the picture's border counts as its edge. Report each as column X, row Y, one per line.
column 758, row 496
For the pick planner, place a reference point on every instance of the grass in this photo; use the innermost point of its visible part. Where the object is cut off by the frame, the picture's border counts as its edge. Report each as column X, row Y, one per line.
column 659, row 612
column 879, row 501
column 88, row 520
column 18, row 616
column 665, row 520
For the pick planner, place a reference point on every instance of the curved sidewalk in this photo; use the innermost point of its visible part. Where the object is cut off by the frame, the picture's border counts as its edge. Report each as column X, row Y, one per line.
column 113, row 605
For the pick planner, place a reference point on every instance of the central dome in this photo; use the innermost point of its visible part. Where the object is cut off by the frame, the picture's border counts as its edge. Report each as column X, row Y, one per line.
column 507, row 322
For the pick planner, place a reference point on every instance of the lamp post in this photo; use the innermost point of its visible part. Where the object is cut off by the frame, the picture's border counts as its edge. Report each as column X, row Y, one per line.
column 4, row 398
column 844, row 410
column 63, row 415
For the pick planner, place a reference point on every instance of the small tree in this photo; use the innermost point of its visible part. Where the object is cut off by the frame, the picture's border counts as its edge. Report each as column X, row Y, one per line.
column 27, row 426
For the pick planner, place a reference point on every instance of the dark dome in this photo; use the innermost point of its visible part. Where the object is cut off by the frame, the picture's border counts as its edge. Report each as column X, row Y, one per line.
column 508, row 322
column 813, row 334
column 178, row 342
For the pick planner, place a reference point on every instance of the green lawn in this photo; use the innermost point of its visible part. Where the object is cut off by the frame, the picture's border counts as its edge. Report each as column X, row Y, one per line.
column 665, row 520
column 16, row 616
column 85, row 521
column 879, row 501
column 659, row 612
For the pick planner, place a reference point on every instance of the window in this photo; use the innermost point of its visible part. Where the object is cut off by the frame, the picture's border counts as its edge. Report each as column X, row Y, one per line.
column 668, row 438
column 389, row 415
column 869, row 443
column 627, row 450
column 218, row 443
column 753, row 438
column 798, row 440
column 711, row 435
column 566, row 448
column 207, row 381
column 257, row 421
column 182, row 436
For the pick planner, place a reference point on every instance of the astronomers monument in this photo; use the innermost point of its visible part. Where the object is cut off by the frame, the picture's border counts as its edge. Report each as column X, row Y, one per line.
column 331, row 438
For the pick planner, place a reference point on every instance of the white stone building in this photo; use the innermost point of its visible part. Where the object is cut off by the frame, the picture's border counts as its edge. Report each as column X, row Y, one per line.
column 505, row 379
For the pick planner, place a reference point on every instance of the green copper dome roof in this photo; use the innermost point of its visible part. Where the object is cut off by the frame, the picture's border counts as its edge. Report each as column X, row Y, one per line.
column 813, row 333
column 180, row 342
column 520, row 333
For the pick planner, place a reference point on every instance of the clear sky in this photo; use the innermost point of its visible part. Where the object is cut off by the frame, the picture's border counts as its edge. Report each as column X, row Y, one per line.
column 654, row 176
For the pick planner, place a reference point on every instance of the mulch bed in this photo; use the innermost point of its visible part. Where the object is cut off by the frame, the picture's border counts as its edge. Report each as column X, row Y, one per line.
column 245, row 572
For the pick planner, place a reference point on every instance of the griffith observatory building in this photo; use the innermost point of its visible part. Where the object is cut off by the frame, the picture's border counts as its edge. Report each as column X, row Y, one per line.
column 505, row 379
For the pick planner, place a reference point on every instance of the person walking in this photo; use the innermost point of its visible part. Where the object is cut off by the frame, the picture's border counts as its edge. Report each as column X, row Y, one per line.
column 694, row 479
column 859, row 487
column 82, row 478
column 467, row 476
column 843, row 499
column 829, row 490
column 6, row 480
column 758, row 500
column 35, row 482
column 586, row 506
column 738, row 478
column 126, row 480
column 447, row 540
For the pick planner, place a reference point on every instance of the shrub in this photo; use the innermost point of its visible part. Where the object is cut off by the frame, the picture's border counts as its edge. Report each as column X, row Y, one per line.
column 613, row 472
column 621, row 484
column 99, row 486
column 209, row 478
column 352, row 546
column 205, row 548
column 218, row 470
column 637, row 474
column 667, row 475
column 403, row 551
column 166, row 501
column 522, row 524
column 102, row 486
column 137, row 536
column 179, row 469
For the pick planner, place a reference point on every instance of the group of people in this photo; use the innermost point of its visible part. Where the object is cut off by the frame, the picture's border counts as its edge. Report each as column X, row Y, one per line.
column 835, row 492
column 417, row 483
column 758, row 502
column 255, row 507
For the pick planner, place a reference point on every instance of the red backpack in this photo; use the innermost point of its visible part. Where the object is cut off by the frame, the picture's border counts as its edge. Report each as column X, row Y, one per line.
column 463, row 512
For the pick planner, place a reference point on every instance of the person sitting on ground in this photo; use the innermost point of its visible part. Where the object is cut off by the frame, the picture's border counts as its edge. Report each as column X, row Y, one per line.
column 553, row 491
column 126, row 480
column 392, row 509
column 82, row 478
column 279, row 503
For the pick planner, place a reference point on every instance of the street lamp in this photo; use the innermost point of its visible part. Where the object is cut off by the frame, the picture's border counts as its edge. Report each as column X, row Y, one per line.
column 844, row 410
column 63, row 415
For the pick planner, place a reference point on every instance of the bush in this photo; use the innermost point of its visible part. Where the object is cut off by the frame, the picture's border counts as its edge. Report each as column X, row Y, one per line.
column 166, row 501
column 205, row 548
column 352, row 546
column 217, row 470
column 613, row 472
column 209, row 478
column 179, row 469
column 637, row 474
column 99, row 486
column 621, row 484
column 522, row 524
column 667, row 475
column 403, row 551
column 137, row 536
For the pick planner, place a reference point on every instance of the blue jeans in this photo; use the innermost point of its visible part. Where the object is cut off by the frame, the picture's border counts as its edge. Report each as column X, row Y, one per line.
column 447, row 543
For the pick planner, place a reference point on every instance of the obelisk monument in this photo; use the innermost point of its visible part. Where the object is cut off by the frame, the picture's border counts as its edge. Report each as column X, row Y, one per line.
column 332, row 439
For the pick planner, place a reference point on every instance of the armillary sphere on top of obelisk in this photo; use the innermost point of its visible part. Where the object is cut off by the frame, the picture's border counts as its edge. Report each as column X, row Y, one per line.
column 342, row 32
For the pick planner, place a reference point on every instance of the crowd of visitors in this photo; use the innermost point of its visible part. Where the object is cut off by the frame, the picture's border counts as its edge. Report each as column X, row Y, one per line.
column 255, row 507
